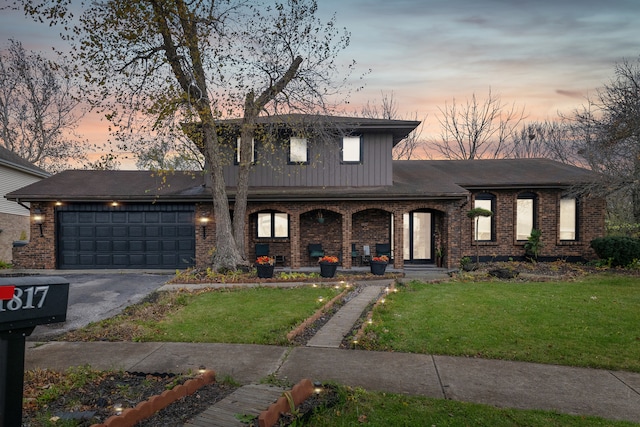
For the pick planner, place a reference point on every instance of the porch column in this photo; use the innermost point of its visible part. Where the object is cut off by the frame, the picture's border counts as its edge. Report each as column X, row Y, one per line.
column 346, row 239
column 294, row 242
column 398, row 239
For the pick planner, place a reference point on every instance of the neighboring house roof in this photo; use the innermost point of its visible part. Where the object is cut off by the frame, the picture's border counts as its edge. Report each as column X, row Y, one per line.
column 413, row 179
column 12, row 160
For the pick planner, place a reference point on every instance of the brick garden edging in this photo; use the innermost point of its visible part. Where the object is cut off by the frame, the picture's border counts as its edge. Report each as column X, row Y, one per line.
column 143, row 410
column 298, row 394
column 301, row 327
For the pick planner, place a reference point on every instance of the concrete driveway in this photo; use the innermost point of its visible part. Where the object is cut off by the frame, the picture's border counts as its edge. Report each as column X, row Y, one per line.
column 95, row 296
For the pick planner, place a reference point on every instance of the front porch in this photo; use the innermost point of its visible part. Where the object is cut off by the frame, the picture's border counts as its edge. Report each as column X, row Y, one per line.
column 352, row 232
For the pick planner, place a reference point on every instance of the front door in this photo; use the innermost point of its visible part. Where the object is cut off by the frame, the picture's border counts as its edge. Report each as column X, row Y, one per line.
column 417, row 237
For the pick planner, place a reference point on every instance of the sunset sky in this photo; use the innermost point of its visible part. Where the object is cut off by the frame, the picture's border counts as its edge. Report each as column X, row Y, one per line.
column 546, row 56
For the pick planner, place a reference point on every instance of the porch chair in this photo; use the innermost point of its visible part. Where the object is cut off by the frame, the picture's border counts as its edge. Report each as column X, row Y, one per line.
column 262, row 249
column 383, row 249
column 366, row 258
column 315, row 250
column 354, row 254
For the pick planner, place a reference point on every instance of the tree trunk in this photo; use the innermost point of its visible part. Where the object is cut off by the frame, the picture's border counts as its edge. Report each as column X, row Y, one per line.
column 247, row 133
column 226, row 255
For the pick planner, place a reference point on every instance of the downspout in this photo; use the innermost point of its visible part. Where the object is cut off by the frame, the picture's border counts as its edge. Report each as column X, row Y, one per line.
column 23, row 205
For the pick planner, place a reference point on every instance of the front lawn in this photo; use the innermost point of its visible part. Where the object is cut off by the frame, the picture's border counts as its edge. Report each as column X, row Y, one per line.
column 235, row 315
column 356, row 407
column 590, row 322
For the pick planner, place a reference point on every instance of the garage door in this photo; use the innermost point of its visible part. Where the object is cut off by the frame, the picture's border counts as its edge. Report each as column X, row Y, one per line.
column 125, row 237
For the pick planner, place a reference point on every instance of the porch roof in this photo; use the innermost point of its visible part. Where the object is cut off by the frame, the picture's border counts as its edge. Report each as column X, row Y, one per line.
column 412, row 180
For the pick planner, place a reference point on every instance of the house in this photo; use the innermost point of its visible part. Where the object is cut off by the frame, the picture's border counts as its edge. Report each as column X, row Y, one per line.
column 15, row 172
column 331, row 183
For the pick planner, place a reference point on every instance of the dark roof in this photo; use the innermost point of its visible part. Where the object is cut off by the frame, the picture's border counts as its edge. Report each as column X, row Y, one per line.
column 413, row 180
column 495, row 174
column 90, row 185
column 399, row 129
column 10, row 159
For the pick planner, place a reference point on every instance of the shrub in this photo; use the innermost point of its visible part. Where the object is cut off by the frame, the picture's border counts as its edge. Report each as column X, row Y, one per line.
column 620, row 250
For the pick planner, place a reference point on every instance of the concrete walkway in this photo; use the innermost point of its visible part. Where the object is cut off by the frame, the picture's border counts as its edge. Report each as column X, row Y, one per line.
column 608, row 394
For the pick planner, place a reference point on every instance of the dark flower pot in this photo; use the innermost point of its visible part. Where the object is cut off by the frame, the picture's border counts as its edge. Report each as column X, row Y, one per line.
column 378, row 268
column 265, row 271
column 328, row 269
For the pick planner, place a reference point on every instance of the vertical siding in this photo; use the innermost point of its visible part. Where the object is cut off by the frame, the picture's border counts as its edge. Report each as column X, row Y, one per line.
column 325, row 168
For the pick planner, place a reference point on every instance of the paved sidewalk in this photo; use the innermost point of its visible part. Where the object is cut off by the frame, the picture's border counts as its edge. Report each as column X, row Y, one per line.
column 608, row 394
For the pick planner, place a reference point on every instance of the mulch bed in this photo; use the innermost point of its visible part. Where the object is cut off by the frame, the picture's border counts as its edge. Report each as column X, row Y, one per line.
column 97, row 399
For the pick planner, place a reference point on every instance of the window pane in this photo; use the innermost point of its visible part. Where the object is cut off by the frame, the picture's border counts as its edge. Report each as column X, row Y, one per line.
column 264, row 225
column 298, row 150
column 524, row 219
column 281, row 221
column 567, row 219
column 253, row 150
column 351, row 149
column 484, row 222
column 406, row 237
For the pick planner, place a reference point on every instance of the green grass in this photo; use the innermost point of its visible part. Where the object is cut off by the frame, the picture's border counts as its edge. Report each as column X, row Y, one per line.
column 592, row 322
column 248, row 316
column 358, row 407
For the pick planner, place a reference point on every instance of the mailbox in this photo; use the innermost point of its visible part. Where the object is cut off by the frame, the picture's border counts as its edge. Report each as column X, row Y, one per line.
column 25, row 302
column 36, row 300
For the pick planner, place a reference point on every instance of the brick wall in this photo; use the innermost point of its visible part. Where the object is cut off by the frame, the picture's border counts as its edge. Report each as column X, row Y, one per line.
column 591, row 214
column 39, row 253
column 368, row 223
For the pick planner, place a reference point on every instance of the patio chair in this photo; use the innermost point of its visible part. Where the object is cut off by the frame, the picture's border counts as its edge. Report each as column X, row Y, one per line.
column 315, row 250
column 354, row 254
column 383, row 249
column 262, row 249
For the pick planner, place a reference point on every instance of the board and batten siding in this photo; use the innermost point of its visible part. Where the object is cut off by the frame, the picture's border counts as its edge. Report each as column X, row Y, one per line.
column 11, row 180
column 325, row 168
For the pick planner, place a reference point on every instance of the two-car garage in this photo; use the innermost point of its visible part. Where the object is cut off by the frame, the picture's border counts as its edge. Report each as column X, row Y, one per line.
column 105, row 236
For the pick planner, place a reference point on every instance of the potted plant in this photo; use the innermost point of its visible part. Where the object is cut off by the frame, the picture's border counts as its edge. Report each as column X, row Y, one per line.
column 265, row 266
column 439, row 255
column 378, row 265
column 328, row 266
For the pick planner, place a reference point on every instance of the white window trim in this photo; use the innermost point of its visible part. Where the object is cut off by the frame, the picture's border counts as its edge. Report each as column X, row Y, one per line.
column 298, row 150
column 273, row 224
column 352, row 149
column 484, row 223
column 567, row 219
column 253, row 150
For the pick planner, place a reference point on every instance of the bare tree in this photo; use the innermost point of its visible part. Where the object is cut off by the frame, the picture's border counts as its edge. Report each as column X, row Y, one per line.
column 550, row 140
column 477, row 129
column 388, row 109
column 38, row 110
column 607, row 135
column 158, row 65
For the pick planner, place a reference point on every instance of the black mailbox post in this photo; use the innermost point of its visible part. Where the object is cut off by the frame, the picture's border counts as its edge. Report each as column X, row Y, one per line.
column 25, row 302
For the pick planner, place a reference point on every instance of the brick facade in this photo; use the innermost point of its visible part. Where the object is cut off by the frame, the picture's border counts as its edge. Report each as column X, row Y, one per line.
column 40, row 252
column 367, row 223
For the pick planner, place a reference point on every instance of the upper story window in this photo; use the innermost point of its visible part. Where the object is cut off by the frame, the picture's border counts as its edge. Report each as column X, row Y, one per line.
column 273, row 224
column 485, row 224
column 568, row 219
column 351, row 149
column 253, row 150
column 525, row 215
column 298, row 150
